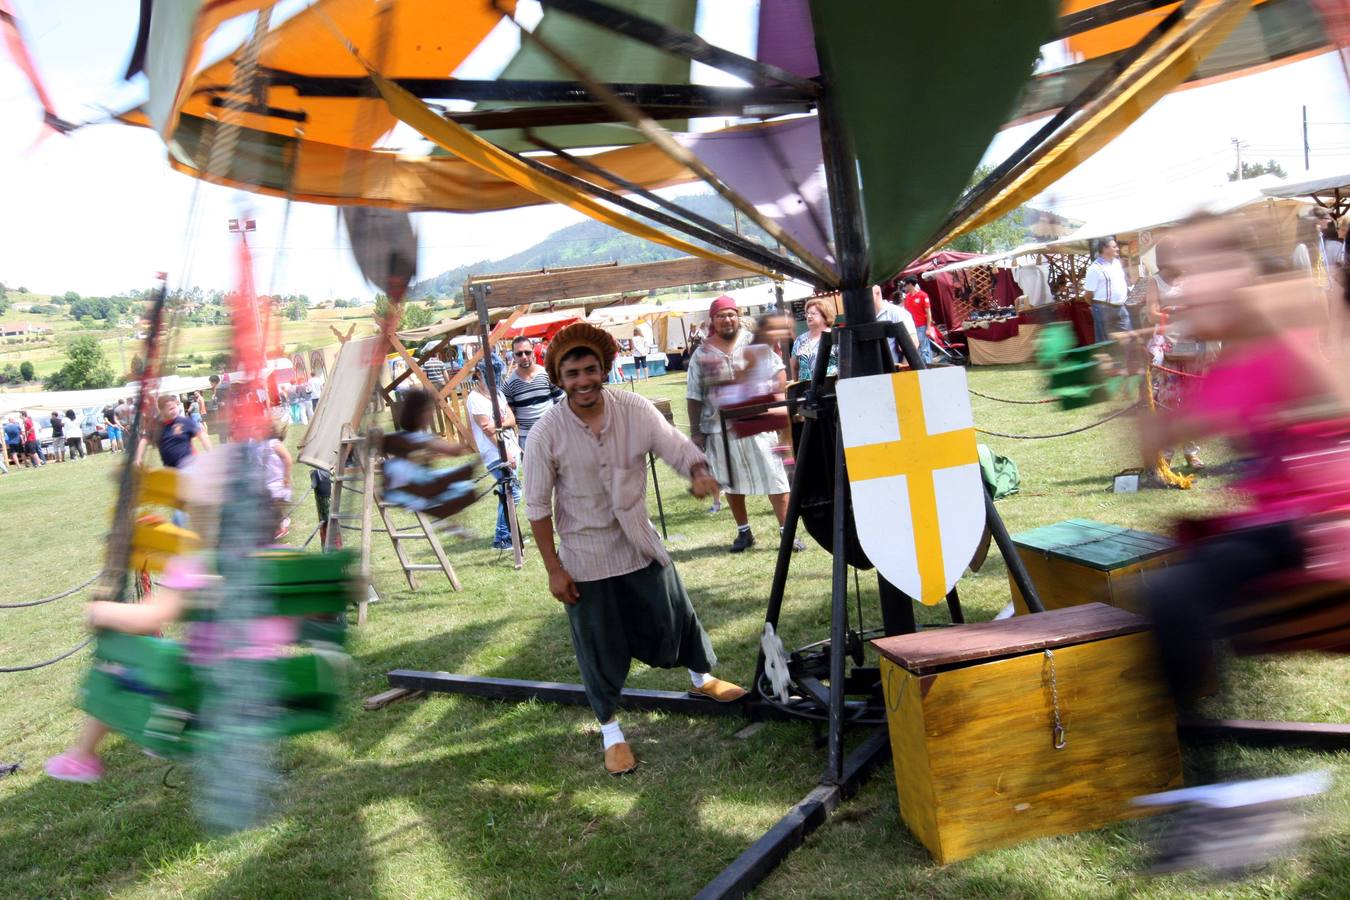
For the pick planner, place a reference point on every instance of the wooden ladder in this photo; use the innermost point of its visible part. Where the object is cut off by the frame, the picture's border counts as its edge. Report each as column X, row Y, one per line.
column 357, row 463
column 421, row 531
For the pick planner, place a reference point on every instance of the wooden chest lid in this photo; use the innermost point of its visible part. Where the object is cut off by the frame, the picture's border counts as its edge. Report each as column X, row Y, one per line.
column 1095, row 544
column 946, row 648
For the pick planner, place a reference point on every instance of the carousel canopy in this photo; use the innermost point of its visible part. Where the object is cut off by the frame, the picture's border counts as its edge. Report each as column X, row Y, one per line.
column 431, row 105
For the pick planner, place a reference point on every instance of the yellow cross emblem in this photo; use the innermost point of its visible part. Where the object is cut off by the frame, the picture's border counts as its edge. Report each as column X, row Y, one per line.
column 916, row 455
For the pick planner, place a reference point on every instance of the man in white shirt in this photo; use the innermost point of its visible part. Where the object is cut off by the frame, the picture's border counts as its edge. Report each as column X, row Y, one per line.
column 1107, row 290
column 893, row 312
column 479, row 407
column 642, row 345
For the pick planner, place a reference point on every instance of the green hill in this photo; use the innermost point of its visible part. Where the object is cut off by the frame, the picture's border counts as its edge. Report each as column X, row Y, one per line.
column 584, row 243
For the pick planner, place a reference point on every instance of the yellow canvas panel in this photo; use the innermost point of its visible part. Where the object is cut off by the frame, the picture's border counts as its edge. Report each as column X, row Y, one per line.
column 1116, row 36
column 1141, row 85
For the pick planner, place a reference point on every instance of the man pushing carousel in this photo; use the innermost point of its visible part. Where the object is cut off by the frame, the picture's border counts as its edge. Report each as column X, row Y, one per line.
column 588, row 471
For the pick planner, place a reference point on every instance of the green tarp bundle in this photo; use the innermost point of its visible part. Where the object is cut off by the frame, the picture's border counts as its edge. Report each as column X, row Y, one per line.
column 999, row 473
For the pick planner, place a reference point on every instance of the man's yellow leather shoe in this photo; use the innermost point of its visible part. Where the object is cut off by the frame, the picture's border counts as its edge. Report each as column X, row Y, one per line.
column 719, row 690
column 619, row 759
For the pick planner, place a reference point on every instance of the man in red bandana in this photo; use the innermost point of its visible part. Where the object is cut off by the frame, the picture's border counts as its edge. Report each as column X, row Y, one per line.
column 746, row 465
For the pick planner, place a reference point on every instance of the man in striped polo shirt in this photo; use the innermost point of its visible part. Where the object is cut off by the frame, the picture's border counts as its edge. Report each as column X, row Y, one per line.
column 528, row 390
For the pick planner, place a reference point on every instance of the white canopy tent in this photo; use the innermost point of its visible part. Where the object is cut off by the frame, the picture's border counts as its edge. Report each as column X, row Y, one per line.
column 1329, row 189
column 1153, row 211
column 41, row 404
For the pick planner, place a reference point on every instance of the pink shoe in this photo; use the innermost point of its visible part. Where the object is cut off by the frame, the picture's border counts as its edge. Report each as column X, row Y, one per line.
column 74, row 766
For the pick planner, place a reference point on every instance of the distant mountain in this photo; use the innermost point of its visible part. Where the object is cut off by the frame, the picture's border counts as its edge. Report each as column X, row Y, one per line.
column 582, row 244
column 590, row 242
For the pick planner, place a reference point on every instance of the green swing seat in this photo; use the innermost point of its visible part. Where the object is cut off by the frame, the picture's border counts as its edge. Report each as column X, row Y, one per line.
column 147, row 689
column 1075, row 373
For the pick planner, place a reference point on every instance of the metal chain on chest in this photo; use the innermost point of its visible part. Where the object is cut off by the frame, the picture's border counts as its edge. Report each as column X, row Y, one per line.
column 1058, row 731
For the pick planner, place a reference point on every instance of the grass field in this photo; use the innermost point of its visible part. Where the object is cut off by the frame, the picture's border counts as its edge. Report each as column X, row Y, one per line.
column 193, row 347
column 453, row 797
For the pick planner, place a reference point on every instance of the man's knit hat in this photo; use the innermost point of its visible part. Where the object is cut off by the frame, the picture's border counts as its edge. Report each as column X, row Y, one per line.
column 580, row 334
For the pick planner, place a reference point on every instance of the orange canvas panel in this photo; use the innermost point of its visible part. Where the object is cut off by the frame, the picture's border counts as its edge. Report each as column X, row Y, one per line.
column 1116, row 36
column 422, row 40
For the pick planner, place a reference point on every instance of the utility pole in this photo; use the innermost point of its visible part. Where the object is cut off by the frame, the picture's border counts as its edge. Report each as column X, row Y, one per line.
column 1305, row 138
column 1237, row 147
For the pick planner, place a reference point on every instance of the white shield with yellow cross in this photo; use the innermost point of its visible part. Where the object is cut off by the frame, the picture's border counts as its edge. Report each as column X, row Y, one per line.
column 918, row 501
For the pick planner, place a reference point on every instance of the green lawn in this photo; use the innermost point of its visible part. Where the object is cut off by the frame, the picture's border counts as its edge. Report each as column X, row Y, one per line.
column 453, row 797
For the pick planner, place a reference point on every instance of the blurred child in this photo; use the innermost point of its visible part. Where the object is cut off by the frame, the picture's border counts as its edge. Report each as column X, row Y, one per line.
column 1288, row 408
column 410, row 479
column 278, row 463
column 80, row 762
column 760, row 378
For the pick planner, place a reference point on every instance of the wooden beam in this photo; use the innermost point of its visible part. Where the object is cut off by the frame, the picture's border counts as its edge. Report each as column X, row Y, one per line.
column 608, row 280
column 469, row 364
column 460, row 428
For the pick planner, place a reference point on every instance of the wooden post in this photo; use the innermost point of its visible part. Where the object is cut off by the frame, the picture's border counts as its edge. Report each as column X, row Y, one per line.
column 367, row 512
column 431, row 386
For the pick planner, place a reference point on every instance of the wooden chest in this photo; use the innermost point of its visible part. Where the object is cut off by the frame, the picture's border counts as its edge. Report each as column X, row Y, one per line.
column 1081, row 561
column 972, row 718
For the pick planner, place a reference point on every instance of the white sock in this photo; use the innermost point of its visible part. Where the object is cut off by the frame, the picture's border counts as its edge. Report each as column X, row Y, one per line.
column 699, row 678
column 744, row 529
column 611, row 733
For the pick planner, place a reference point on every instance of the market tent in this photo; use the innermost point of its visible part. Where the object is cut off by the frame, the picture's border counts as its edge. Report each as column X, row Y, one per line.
column 943, row 274
column 541, row 325
column 41, row 404
column 1331, row 191
column 1164, row 207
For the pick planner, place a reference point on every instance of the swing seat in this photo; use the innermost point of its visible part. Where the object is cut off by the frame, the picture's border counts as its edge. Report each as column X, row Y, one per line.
column 154, row 541
column 144, row 688
column 768, row 420
column 159, row 487
column 148, row 689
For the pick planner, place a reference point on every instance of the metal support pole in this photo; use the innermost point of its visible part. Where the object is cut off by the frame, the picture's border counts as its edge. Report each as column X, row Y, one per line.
column 660, row 509
column 790, row 521
column 834, row 770
column 479, row 292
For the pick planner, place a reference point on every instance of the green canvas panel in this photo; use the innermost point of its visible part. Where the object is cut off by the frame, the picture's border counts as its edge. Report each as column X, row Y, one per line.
column 1095, row 544
column 889, row 65
column 606, row 56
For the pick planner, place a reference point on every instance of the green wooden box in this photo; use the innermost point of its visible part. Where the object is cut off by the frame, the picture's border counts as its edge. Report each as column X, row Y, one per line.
column 1081, row 561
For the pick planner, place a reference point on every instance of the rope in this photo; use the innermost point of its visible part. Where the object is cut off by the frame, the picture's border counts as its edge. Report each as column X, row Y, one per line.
column 1005, row 400
column 296, row 505
column 1041, row 437
column 1159, row 368
column 53, row 597
column 47, row 662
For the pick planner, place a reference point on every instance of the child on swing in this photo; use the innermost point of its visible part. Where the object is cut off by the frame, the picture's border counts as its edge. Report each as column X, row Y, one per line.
column 761, row 379
column 183, row 575
column 80, row 762
column 1287, row 408
column 410, row 478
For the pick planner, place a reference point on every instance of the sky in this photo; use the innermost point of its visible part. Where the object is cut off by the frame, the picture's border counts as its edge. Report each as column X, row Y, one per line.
column 100, row 211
